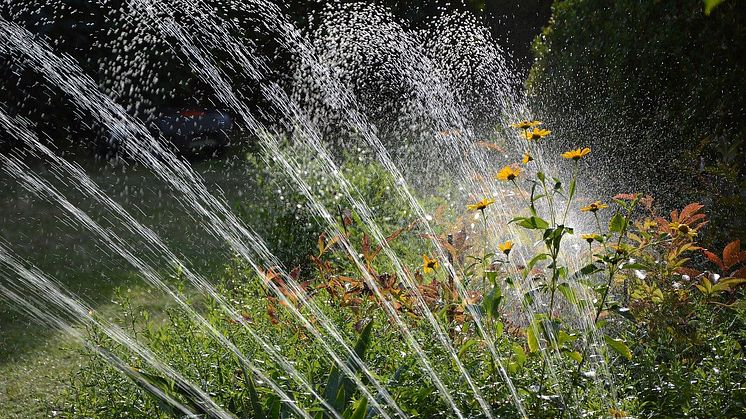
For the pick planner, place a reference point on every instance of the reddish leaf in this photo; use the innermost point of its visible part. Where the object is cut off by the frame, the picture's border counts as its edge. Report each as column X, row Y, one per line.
column 366, row 248
column 714, row 259
column 690, row 210
column 741, row 273
column 626, row 196
column 295, row 273
column 272, row 314
column 731, row 253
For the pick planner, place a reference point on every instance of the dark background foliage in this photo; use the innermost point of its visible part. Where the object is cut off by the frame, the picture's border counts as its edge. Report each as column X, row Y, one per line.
column 655, row 88
column 137, row 68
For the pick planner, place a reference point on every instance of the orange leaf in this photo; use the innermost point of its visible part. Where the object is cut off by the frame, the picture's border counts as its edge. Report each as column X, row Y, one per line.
column 741, row 273
column 714, row 258
column 690, row 210
column 295, row 273
column 731, row 253
column 366, row 248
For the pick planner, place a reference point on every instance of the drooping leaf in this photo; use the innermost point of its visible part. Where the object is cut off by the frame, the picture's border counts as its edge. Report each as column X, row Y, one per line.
column 732, row 254
column 575, row 356
column 531, row 223
column 568, row 292
column 618, row 346
column 586, row 270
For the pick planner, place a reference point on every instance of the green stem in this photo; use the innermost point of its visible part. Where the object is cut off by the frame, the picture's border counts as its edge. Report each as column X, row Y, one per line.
column 571, row 192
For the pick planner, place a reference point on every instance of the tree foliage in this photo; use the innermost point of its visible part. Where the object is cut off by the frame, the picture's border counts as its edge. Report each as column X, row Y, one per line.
column 663, row 79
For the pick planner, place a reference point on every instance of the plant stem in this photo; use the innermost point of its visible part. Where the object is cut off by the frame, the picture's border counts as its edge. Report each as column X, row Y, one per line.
column 571, row 192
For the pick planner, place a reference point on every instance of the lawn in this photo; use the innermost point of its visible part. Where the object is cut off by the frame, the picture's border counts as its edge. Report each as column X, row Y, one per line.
column 36, row 363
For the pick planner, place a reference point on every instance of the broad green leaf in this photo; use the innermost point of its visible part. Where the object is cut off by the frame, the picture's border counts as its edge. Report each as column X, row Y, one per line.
column 617, row 223
column 465, row 347
column 574, row 355
column 520, row 354
column 586, row 270
column 491, row 302
column 727, row 284
column 534, row 260
column 618, row 346
column 339, row 388
column 491, row 276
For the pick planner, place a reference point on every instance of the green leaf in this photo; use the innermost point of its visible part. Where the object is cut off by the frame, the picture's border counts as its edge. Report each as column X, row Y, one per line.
column 575, row 356
column 491, row 276
column 617, row 223
column 520, row 354
column 710, row 5
column 618, row 346
column 465, row 347
column 499, row 327
column 586, row 270
column 531, row 223
column 339, row 388
column 491, row 302
column 361, row 409
column 531, row 337
column 534, row 260
column 568, row 292
column 571, row 193
column 253, row 396
column 727, row 284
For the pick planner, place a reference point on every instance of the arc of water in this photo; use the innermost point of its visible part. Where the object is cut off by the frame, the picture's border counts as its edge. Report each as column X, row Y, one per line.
column 34, row 184
column 213, row 206
column 225, row 91
column 280, row 100
column 87, row 187
column 345, row 102
column 53, row 292
column 448, row 114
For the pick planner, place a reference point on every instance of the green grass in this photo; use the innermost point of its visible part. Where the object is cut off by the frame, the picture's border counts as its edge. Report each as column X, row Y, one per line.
column 36, row 364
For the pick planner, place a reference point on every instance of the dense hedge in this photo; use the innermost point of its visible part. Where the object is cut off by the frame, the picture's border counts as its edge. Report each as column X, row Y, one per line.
column 655, row 88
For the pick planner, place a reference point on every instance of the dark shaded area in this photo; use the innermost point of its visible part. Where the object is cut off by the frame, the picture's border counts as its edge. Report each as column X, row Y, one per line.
column 655, row 89
column 137, row 68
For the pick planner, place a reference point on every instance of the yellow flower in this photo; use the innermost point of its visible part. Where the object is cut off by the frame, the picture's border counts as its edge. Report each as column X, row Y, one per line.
column 536, row 134
column 525, row 124
column 590, row 237
column 683, row 229
column 527, row 158
column 508, row 173
column 486, row 202
column 505, row 247
column 576, row 154
column 429, row 264
column 594, row 206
